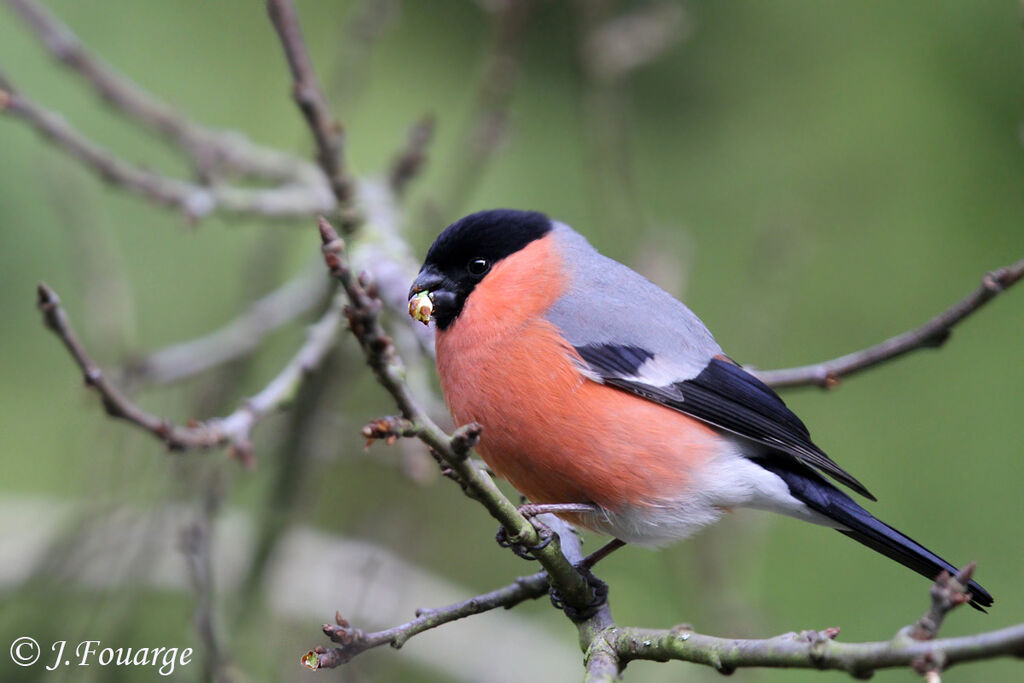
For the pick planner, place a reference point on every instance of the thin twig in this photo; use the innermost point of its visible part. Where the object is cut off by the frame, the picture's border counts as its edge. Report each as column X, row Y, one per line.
column 195, row 201
column 381, row 249
column 932, row 334
column 328, row 133
column 197, row 546
column 410, row 160
column 238, row 338
column 212, row 151
column 947, row 593
column 367, row 23
column 232, row 430
column 354, row 641
column 614, row 44
column 497, row 82
column 291, row 465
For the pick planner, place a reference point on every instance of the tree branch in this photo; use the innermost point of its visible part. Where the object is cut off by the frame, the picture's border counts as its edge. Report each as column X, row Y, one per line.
column 609, row 647
column 496, row 85
column 232, row 430
column 196, row 201
column 453, row 450
column 211, row 150
column 238, row 338
column 327, row 132
column 354, row 641
column 809, row 649
column 411, row 159
column 932, row 334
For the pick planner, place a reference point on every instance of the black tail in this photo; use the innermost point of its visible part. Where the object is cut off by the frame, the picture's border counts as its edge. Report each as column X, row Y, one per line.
column 821, row 496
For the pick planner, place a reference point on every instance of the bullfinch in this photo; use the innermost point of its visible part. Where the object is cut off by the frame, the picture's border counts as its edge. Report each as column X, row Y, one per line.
column 596, row 387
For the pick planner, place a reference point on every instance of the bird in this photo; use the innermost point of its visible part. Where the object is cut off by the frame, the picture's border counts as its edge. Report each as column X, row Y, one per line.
column 599, row 391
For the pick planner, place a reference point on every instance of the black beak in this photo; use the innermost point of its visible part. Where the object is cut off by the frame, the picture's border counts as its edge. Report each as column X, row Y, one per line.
column 428, row 280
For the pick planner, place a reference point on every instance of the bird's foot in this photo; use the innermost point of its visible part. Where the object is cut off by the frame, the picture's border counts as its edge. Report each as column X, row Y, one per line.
column 544, row 536
column 598, row 587
column 531, row 511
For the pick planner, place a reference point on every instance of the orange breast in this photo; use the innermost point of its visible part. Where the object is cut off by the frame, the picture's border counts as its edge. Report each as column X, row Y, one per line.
column 555, row 435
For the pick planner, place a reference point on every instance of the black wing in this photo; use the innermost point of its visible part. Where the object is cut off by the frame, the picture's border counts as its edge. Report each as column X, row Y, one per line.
column 723, row 395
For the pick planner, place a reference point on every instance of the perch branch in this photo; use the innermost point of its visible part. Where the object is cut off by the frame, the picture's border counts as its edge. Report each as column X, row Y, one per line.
column 808, row 649
column 932, row 334
column 609, row 647
column 453, row 450
column 232, row 430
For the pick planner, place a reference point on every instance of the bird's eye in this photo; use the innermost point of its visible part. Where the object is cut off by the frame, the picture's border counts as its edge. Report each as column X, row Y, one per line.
column 478, row 266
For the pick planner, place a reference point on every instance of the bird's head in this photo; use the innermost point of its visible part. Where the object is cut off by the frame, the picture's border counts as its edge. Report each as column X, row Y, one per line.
column 463, row 255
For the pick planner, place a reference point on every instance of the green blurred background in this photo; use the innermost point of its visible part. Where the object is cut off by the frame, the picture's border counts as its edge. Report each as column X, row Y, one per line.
column 810, row 177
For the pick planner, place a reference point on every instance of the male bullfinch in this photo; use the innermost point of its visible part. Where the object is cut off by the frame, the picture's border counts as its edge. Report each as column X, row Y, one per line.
column 596, row 387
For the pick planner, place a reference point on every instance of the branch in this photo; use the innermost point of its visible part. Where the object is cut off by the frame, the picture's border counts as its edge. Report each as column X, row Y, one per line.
column 197, row 544
column 932, row 334
column 410, row 160
column 354, row 641
column 327, row 132
column 453, row 450
column 808, row 649
column 238, row 338
column 232, row 430
column 196, row 201
column 211, row 150
column 609, row 647
column 495, row 88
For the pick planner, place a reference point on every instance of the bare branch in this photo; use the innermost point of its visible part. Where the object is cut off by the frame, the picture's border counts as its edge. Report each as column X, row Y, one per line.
column 212, row 151
column 196, row 201
column 354, row 641
column 238, row 338
column 409, row 162
column 615, row 47
column 232, row 430
column 197, row 547
column 382, row 251
column 809, row 649
column 947, row 593
column 496, row 85
column 453, row 450
column 367, row 23
column 615, row 646
column 932, row 334
column 327, row 132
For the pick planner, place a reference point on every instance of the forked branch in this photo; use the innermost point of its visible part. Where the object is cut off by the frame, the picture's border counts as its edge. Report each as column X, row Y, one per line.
column 232, row 430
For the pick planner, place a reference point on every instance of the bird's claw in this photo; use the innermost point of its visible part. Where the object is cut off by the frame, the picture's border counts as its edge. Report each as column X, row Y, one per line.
column 597, row 586
column 527, row 552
